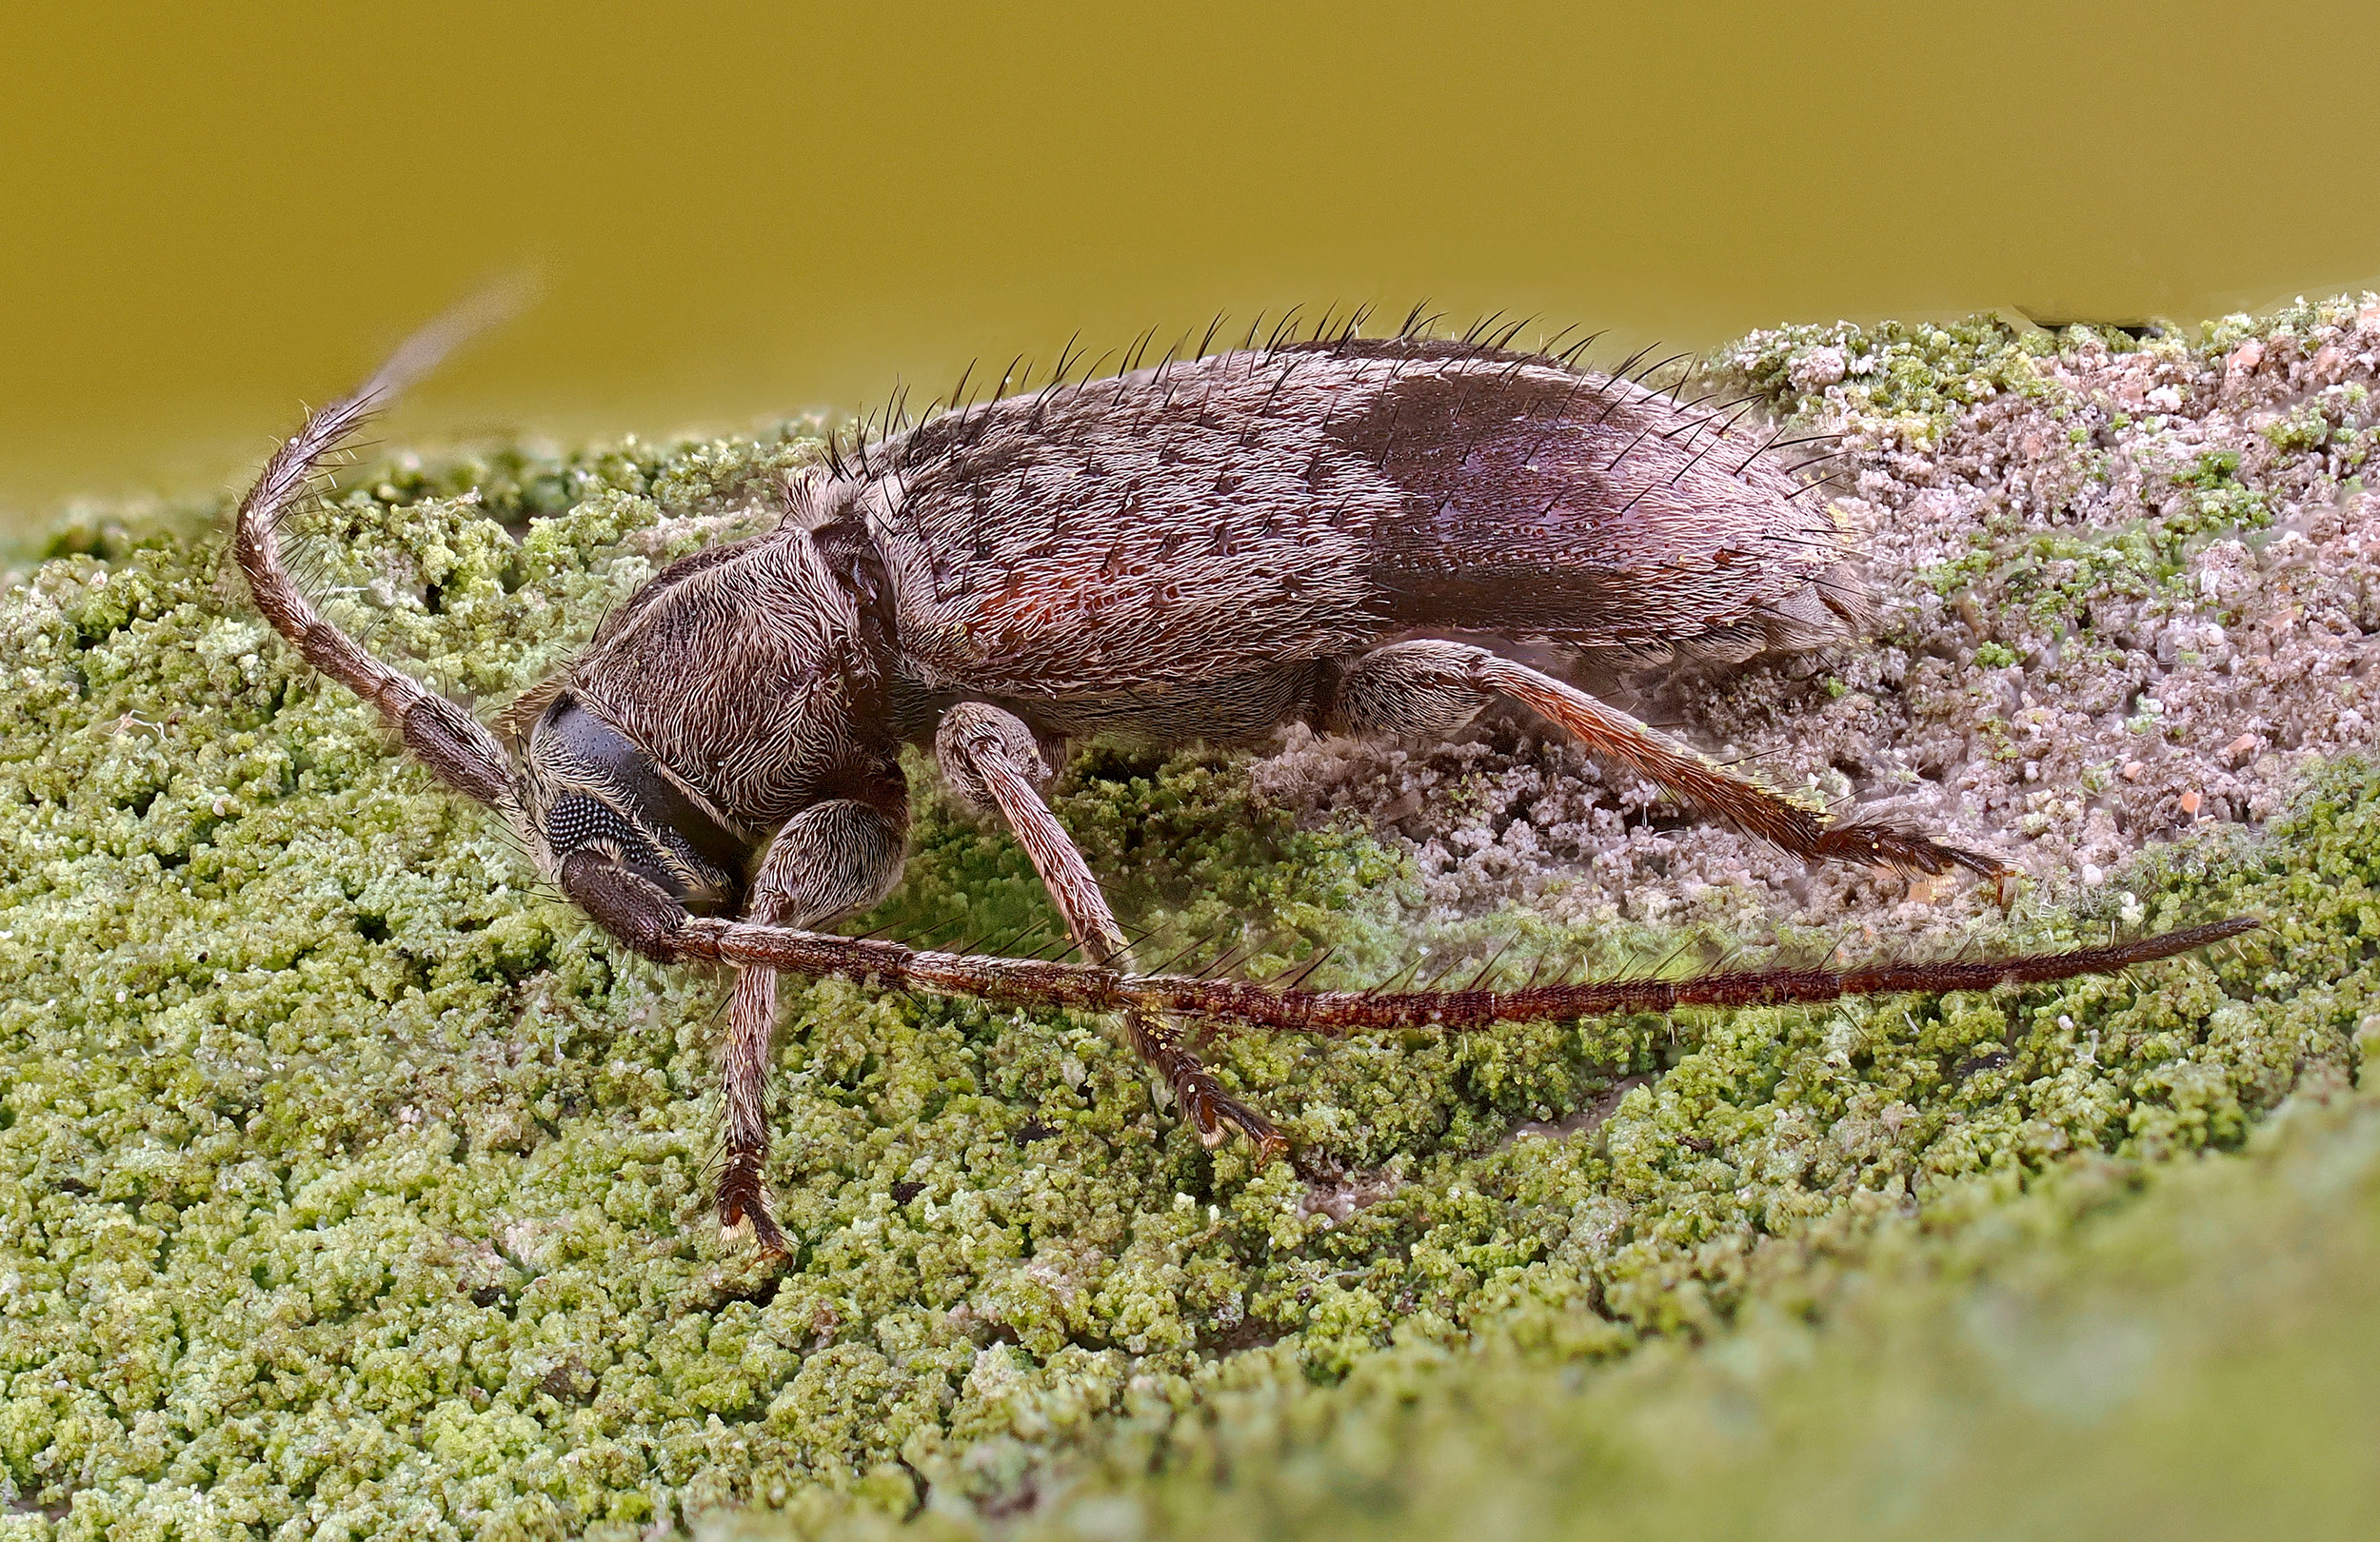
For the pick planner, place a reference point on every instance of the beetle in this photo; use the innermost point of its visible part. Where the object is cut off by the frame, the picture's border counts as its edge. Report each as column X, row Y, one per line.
column 1209, row 547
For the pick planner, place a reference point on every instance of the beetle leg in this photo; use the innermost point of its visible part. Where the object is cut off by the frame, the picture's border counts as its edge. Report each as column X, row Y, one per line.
column 831, row 858
column 991, row 762
column 1434, row 687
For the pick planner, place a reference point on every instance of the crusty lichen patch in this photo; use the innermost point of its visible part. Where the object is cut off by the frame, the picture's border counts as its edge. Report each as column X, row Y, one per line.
column 2186, row 1348
column 354, row 1186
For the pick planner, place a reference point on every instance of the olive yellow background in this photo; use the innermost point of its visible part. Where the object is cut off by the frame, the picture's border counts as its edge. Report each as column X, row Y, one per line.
column 209, row 212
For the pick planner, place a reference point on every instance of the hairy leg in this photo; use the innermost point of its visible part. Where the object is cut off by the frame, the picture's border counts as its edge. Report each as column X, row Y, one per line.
column 829, row 859
column 1434, row 687
column 991, row 762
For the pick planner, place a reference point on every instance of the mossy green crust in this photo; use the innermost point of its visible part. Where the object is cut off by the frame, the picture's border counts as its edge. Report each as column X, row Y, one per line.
column 351, row 1185
column 2130, row 1348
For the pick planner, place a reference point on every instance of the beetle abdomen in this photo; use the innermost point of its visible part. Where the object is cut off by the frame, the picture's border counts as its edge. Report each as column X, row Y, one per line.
column 1210, row 519
column 1585, row 511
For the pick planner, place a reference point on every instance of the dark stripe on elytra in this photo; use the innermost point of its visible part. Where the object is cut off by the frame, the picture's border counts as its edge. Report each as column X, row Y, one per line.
column 1505, row 490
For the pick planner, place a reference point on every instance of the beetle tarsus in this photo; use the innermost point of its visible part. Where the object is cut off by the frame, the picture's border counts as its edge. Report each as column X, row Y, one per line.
column 1890, row 846
column 1211, row 1111
column 744, row 1206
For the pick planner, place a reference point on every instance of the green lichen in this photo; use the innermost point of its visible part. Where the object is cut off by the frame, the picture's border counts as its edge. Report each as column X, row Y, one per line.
column 2185, row 1348
column 1912, row 379
column 2218, row 501
column 352, row 1185
column 2058, row 576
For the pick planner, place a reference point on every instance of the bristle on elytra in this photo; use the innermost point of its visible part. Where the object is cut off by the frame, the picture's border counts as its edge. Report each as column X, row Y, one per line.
column 1647, row 374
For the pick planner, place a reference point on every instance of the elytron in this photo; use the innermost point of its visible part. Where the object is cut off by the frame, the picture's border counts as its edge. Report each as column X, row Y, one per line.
column 1210, row 548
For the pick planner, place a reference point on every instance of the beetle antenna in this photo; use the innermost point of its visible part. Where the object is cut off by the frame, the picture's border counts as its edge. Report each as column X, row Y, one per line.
column 448, row 740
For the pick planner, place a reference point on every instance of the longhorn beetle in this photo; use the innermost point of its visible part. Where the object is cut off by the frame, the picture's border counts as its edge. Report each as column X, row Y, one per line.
column 1209, row 547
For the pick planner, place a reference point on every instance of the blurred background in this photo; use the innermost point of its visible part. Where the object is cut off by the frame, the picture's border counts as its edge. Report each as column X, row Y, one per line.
column 747, row 210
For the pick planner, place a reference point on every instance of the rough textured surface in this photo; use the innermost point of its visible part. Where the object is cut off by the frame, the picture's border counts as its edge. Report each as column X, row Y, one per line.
column 350, row 1186
column 2179, row 1349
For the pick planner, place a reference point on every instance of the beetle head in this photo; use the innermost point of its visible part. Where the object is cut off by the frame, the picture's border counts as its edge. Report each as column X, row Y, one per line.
column 593, row 796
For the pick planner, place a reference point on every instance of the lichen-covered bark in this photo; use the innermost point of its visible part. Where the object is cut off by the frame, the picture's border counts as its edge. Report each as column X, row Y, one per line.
column 351, row 1185
column 2186, row 1348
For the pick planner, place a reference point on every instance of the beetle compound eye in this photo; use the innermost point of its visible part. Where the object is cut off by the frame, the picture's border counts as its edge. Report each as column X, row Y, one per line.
column 578, row 822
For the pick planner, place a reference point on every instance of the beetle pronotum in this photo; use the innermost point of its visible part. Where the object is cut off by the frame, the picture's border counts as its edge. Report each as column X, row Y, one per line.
column 1211, row 546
